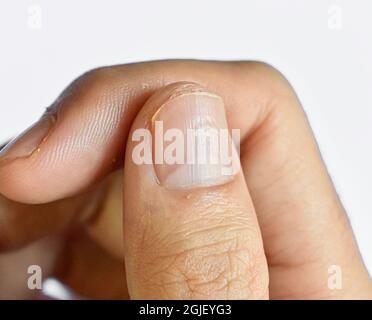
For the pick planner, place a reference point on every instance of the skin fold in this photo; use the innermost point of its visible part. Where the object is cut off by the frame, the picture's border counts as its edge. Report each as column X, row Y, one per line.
column 114, row 232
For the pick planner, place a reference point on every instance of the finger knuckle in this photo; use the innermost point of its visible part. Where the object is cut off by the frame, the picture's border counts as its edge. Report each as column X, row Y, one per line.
column 267, row 77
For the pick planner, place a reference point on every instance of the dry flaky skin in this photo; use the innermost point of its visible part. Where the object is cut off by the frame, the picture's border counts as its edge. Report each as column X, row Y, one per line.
column 303, row 225
column 200, row 253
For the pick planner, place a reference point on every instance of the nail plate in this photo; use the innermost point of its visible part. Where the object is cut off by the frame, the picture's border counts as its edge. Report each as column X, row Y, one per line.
column 190, row 133
column 29, row 141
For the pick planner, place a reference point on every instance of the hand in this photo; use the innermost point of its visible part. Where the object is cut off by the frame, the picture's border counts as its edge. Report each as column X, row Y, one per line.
column 272, row 230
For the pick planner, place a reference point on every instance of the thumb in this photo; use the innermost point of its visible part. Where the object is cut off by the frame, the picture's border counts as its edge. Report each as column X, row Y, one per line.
column 190, row 229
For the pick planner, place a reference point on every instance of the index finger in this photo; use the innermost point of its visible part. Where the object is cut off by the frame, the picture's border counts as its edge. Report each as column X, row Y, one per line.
column 82, row 135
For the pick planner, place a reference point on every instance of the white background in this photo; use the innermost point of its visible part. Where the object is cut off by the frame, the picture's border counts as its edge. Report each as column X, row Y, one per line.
column 323, row 47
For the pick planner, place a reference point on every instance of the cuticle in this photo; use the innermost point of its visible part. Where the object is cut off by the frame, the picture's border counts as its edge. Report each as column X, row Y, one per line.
column 49, row 115
column 181, row 93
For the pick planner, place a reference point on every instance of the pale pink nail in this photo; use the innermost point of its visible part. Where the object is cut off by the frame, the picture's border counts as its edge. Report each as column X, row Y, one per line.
column 200, row 117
